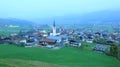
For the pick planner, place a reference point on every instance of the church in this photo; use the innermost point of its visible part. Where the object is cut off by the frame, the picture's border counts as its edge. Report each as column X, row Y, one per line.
column 53, row 33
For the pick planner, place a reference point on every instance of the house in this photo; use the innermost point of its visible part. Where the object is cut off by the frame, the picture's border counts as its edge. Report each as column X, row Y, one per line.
column 50, row 41
column 109, row 42
column 32, row 42
column 42, row 43
column 5, row 39
column 89, row 41
column 75, row 43
column 101, row 48
column 57, row 38
column 23, row 41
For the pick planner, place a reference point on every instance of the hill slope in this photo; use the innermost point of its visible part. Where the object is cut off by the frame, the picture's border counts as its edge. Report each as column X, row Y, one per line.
column 13, row 21
column 24, row 63
column 68, row 56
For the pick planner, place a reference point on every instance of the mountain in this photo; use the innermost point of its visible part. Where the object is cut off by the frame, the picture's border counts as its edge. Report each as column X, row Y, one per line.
column 14, row 21
column 102, row 16
column 106, row 16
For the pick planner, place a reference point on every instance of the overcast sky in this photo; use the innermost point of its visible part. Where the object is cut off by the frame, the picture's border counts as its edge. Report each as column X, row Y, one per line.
column 30, row 9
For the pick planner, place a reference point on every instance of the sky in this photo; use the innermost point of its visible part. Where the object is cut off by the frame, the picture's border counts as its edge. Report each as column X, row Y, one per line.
column 31, row 9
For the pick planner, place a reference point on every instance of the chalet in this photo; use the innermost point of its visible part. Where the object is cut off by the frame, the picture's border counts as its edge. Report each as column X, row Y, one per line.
column 75, row 43
column 32, row 42
column 109, row 42
column 5, row 39
column 17, row 39
column 23, row 41
column 57, row 38
column 89, row 41
column 101, row 48
column 89, row 38
column 13, row 34
column 50, row 41
column 42, row 43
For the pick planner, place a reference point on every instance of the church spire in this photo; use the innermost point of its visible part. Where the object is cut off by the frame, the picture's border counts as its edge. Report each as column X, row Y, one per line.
column 54, row 28
column 54, row 23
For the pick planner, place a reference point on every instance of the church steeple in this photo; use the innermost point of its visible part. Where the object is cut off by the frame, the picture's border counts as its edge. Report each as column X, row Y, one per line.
column 54, row 28
column 54, row 23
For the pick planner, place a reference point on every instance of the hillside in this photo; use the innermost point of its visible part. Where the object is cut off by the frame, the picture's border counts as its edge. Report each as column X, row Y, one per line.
column 68, row 56
column 102, row 16
column 24, row 63
column 14, row 21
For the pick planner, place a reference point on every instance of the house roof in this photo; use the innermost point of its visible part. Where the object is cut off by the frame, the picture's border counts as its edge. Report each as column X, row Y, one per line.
column 57, row 37
column 49, row 40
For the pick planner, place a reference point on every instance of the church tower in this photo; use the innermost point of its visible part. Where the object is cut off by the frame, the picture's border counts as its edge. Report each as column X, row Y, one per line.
column 54, row 28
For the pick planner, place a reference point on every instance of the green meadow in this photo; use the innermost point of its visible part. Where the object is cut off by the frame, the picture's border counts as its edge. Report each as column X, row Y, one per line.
column 13, row 56
column 93, row 28
column 11, row 30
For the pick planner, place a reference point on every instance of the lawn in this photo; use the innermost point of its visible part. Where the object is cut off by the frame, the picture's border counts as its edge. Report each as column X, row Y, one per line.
column 67, row 56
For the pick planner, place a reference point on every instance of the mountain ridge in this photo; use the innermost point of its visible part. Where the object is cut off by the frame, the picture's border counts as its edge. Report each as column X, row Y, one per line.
column 15, row 21
column 106, row 16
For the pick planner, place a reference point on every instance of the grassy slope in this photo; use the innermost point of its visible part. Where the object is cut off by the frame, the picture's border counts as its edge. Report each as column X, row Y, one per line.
column 24, row 63
column 68, row 56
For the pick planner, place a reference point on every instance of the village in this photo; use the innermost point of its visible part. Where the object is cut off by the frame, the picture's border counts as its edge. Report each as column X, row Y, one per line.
column 60, row 33
column 57, row 38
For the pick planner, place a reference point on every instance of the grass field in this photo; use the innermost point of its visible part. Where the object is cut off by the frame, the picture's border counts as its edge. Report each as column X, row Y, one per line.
column 93, row 28
column 13, row 56
column 12, row 30
column 24, row 63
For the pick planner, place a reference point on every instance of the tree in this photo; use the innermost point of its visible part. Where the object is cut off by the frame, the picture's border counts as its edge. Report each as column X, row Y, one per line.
column 118, row 53
column 114, row 50
column 102, row 41
column 83, row 45
column 22, row 44
column 1, row 42
column 95, row 41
